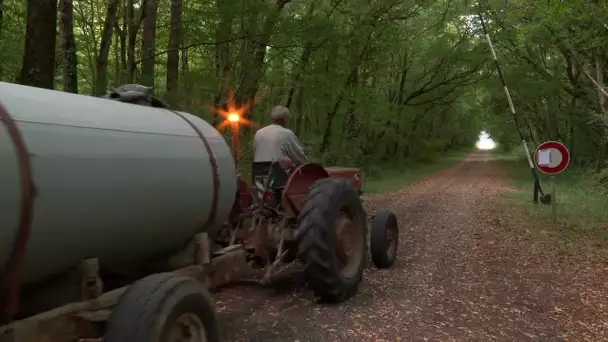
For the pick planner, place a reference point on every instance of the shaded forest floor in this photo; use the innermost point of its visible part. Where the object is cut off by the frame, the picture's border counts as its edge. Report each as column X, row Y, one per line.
column 472, row 266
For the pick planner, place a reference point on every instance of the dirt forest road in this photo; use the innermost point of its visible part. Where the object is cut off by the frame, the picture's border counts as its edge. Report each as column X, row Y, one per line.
column 462, row 274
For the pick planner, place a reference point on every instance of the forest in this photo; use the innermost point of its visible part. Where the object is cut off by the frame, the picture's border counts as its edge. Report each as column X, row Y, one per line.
column 368, row 82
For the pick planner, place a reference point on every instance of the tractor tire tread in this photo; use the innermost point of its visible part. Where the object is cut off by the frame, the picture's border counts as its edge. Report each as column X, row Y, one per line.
column 378, row 251
column 316, row 223
column 134, row 317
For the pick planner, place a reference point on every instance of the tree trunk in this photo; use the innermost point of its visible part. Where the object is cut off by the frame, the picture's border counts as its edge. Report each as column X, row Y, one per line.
column 134, row 25
column 350, row 84
column 185, row 77
column 249, row 28
column 299, row 111
column 132, row 37
column 222, row 54
column 116, row 53
column 68, row 47
column 101, row 65
column 38, row 67
column 123, row 43
column 330, row 125
column 302, row 65
column 173, row 54
column 1, row 15
column 184, row 56
column 148, row 44
column 599, row 77
column 251, row 81
column 352, row 127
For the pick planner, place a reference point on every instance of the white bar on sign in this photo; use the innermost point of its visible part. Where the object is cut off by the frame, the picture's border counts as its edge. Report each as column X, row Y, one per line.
column 544, row 157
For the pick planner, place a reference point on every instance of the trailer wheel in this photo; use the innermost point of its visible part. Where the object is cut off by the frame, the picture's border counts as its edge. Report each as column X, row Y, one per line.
column 164, row 307
column 384, row 239
column 332, row 238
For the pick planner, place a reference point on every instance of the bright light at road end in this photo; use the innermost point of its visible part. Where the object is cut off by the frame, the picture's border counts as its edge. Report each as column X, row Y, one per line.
column 234, row 117
column 485, row 142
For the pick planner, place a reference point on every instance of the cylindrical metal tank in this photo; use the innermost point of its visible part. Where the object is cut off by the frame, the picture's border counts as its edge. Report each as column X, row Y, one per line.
column 112, row 180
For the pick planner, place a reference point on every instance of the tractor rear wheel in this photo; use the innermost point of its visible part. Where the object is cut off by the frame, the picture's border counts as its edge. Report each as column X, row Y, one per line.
column 164, row 307
column 332, row 238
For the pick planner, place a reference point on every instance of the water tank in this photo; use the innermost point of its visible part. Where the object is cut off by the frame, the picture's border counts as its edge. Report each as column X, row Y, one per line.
column 117, row 181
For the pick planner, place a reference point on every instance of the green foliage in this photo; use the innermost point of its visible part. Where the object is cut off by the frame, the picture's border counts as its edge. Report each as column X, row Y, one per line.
column 368, row 82
column 12, row 39
column 600, row 180
column 551, row 55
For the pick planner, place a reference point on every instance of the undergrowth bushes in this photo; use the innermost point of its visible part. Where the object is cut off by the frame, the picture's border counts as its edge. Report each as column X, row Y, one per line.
column 601, row 180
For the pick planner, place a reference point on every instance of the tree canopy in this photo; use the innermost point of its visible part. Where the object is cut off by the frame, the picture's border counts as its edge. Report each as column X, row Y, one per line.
column 367, row 81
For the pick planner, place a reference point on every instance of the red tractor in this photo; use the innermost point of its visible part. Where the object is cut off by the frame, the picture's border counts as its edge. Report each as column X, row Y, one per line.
column 315, row 215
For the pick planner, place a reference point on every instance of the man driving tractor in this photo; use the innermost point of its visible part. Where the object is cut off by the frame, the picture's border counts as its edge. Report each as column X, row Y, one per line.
column 274, row 142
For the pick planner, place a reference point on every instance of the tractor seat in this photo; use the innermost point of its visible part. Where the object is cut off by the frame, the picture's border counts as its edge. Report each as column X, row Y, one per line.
column 271, row 175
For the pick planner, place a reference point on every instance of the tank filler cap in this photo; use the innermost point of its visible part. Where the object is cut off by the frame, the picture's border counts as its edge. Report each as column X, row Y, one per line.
column 135, row 94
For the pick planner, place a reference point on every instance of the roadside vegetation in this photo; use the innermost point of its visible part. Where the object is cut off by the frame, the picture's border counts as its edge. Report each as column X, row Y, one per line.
column 392, row 176
column 582, row 215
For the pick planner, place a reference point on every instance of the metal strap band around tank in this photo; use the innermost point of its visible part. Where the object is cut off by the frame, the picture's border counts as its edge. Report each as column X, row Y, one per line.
column 11, row 276
column 214, row 167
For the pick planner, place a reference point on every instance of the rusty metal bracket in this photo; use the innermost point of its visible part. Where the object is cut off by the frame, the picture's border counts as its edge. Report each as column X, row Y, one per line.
column 203, row 255
column 91, row 285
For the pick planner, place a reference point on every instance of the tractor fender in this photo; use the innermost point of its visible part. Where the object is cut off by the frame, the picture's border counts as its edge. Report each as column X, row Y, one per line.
column 296, row 188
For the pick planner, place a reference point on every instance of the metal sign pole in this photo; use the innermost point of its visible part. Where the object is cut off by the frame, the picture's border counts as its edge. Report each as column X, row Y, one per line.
column 537, row 188
column 552, row 157
column 554, row 201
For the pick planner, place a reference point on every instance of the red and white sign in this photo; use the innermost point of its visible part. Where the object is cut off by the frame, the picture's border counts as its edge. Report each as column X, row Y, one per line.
column 551, row 157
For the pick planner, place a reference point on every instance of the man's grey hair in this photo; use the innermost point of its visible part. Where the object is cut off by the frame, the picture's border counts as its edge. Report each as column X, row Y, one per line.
column 279, row 112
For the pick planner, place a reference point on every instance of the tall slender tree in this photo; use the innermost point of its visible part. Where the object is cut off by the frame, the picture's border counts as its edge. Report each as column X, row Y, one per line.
column 148, row 44
column 101, row 66
column 175, row 32
column 38, row 68
column 68, row 47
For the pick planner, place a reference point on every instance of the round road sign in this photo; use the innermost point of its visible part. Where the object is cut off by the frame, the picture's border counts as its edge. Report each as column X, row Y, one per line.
column 551, row 157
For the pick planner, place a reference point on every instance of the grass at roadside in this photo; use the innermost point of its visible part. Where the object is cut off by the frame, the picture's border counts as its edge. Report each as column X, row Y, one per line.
column 581, row 206
column 393, row 176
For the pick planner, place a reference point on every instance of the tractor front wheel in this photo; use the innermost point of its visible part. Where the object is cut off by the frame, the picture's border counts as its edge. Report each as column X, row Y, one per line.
column 332, row 238
column 384, row 239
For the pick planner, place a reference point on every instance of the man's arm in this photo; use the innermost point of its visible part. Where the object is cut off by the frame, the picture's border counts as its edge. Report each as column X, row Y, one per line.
column 294, row 149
